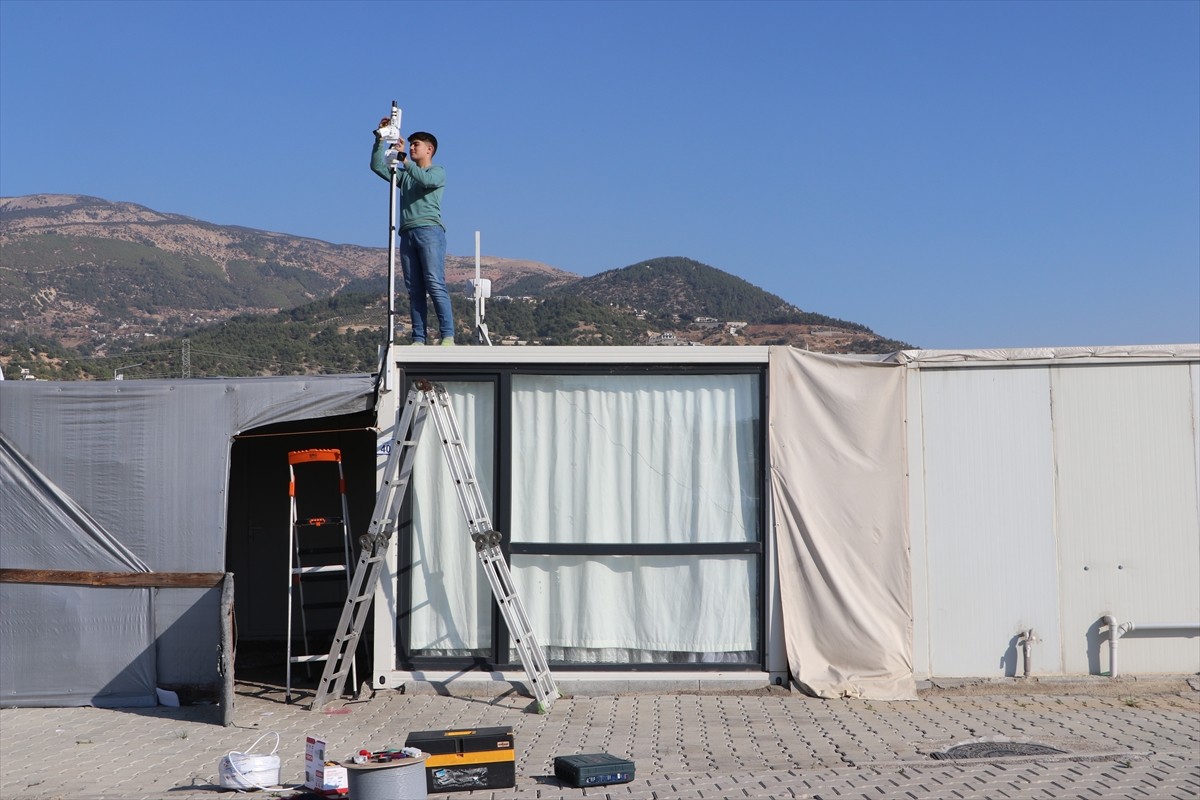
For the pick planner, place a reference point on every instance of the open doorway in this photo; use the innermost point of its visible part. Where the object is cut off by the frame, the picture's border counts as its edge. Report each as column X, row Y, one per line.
column 257, row 550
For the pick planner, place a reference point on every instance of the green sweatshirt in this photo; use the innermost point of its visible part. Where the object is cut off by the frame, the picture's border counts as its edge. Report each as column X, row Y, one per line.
column 420, row 189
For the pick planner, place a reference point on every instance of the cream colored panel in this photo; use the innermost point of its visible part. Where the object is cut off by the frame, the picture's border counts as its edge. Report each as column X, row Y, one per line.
column 1127, row 510
column 989, row 514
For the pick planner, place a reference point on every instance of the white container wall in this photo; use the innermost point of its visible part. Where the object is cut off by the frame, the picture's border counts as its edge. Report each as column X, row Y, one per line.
column 1046, row 493
column 1127, row 511
column 989, row 518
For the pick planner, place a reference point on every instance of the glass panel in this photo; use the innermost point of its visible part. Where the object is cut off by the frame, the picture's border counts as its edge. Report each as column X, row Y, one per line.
column 635, row 459
column 451, row 600
column 642, row 609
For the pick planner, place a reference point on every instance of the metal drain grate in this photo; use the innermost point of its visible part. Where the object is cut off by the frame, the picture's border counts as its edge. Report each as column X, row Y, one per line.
column 998, row 750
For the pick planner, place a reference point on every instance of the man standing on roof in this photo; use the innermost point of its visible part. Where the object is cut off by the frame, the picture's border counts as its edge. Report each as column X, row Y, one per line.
column 422, row 235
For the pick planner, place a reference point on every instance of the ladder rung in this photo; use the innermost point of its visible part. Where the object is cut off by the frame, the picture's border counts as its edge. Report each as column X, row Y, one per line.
column 315, row 570
column 330, row 579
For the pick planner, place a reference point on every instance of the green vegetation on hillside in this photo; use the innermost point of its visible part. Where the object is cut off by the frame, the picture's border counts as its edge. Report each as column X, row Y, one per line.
column 90, row 287
column 675, row 286
column 338, row 335
column 113, row 275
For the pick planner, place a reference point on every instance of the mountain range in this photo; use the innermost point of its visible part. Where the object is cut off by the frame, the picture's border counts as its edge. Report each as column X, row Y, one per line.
column 94, row 281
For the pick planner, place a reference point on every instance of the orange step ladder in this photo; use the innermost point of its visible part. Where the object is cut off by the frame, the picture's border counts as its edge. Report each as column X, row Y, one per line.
column 324, row 553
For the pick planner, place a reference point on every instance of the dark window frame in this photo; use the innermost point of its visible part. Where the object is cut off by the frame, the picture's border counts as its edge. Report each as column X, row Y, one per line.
column 500, row 375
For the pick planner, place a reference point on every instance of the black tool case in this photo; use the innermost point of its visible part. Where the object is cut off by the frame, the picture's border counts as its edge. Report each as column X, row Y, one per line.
column 593, row 769
column 465, row 760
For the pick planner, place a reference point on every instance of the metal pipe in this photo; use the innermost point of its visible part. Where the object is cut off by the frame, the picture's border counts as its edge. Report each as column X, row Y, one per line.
column 1113, row 636
column 1026, row 640
column 1115, row 632
column 1179, row 628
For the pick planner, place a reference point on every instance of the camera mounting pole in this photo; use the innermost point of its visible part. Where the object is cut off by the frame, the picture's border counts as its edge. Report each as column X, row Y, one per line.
column 392, row 260
column 391, row 326
column 391, row 313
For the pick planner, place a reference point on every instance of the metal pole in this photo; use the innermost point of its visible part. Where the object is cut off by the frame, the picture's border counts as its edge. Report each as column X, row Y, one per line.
column 478, row 291
column 392, row 260
column 388, row 378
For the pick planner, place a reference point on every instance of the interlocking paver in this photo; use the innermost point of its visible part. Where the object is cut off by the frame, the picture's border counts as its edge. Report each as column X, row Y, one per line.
column 771, row 745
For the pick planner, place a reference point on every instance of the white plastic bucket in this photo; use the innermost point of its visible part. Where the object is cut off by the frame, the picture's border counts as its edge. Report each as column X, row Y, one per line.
column 245, row 771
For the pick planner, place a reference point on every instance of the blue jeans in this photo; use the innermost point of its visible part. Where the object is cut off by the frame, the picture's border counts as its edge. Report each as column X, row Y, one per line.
column 423, row 261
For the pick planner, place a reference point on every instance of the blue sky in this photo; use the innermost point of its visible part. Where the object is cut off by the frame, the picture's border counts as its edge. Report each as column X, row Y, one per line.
column 952, row 174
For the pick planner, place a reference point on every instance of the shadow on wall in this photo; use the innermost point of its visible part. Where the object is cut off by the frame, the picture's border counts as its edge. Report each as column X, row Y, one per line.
column 1093, row 641
column 1008, row 661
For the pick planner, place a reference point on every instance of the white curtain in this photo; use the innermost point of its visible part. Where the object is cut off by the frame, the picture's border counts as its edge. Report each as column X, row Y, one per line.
column 451, row 599
column 645, row 459
column 646, row 609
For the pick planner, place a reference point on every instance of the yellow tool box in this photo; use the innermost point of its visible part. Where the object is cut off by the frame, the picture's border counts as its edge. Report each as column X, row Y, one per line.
column 464, row 760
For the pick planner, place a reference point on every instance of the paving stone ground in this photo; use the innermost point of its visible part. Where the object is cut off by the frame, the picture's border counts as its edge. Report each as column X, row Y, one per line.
column 1129, row 741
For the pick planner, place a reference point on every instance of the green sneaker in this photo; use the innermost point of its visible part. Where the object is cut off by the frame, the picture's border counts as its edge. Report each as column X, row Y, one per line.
column 447, row 343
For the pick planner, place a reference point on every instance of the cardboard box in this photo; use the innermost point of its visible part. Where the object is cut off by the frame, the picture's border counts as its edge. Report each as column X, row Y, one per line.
column 325, row 778
column 464, row 760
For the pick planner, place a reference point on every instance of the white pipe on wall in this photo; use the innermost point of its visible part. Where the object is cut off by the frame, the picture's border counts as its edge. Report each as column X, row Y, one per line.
column 1113, row 636
column 1115, row 632
column 1178, row 628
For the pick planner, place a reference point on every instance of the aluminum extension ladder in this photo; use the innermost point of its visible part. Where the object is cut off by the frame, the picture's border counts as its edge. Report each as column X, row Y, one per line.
column 425, row 398
column 310, row 528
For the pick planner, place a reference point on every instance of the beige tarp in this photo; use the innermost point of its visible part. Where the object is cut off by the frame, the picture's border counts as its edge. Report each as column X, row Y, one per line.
column 838, row 484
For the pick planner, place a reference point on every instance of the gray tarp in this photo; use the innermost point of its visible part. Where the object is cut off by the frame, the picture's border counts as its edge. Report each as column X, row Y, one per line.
column 126, row 476
column 837, row 478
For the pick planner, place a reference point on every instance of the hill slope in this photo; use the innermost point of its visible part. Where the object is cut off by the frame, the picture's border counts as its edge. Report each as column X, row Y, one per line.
column 85, row 278
column 84, row 271
column 683, row 288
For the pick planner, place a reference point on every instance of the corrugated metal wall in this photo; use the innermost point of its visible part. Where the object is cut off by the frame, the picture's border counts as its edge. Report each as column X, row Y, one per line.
column 1045, row 496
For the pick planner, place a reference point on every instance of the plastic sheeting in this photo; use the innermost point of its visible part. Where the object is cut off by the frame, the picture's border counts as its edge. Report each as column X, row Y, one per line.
column 34, row 504
column 126, row 476
column 837, row 444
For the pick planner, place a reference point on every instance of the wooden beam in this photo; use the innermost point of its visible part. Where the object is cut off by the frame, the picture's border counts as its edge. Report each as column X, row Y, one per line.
column 125, row 580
